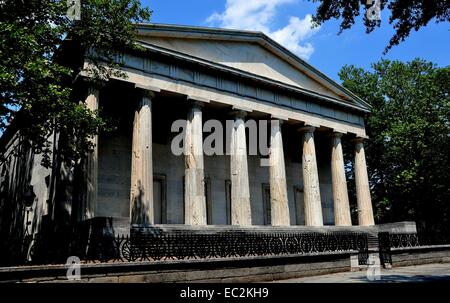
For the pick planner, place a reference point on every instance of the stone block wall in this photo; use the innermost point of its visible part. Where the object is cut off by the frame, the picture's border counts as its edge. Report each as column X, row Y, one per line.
column 115, row 172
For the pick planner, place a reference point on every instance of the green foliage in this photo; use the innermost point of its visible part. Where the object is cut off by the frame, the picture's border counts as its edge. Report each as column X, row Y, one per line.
column 405, row 15
column 408, row 155
column 37, row 87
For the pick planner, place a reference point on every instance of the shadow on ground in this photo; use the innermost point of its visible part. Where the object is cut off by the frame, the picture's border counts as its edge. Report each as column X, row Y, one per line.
column 403, row 278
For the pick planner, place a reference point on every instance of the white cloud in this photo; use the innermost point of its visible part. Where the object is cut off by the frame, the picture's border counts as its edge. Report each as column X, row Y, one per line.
column 258, row 15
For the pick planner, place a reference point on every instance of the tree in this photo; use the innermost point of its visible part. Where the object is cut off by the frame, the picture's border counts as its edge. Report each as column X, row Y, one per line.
column 405, row 15
column 408, row 153
column 37, row 87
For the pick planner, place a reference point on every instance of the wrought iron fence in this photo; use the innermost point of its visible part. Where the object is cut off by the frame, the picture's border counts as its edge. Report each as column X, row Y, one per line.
column 384, row 248
column 388, row 241
column 403, row 240
column 147, row 246
column 144, row 246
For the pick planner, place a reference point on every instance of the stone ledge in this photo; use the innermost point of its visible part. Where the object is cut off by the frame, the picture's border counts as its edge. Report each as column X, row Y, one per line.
column 397, row 227
column 421, row 248
column 420, row 255
column 183, row 270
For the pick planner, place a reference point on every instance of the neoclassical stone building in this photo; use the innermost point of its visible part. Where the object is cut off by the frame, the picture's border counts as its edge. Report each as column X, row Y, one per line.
column 199, row 74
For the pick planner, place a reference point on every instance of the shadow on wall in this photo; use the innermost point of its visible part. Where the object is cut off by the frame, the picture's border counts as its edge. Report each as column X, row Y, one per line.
column 93, row 239
column 140, row 209
column 16, row 196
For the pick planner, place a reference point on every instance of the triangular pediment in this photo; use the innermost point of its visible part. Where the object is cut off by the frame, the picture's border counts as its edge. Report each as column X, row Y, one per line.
column 250, row 52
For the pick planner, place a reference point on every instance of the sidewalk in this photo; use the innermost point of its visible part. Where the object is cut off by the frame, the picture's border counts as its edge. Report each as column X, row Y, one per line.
column 420, row 273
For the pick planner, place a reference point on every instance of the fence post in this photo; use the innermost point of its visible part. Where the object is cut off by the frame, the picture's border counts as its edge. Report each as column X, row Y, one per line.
column 384, row 249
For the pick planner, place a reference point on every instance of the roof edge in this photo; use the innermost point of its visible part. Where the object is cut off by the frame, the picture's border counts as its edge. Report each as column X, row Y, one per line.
column 246, row 74
column 259, row 37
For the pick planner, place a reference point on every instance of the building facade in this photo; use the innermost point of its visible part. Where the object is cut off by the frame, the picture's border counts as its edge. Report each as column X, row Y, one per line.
column 196, row 75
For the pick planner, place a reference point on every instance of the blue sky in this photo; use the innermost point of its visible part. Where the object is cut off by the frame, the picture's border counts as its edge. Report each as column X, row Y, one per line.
column 287, row 21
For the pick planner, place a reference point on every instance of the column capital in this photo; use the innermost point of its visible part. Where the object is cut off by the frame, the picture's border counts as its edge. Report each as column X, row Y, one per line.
column 307, row 129
column 92, row 88
column 147, row 90
column 145, row 99
column 239, row 113
column 336, row 134
column 92, row 83
column 196, row 103
column 149, row 94
column 358, row 140
column 280, row 121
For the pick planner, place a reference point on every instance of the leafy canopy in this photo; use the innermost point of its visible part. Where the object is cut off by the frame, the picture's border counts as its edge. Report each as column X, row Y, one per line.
column 36, row 86
column 408, row 153
column 406, row 15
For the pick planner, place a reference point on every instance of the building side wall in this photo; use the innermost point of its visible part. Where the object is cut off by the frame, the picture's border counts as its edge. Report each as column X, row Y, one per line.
column 20, row 170
column 114, row 176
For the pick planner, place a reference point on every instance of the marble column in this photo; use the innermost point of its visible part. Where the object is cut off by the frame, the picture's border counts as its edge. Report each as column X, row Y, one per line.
column 340, row 194
column 194, row 194
column 278, row 188
column 364, row 201
column 311, row 190
column 141, row 163
column 240, row 188
column 91, row 164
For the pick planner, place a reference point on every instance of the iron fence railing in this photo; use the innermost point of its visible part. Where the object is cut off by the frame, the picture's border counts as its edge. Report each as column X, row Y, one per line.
column 141, row 245
column 403, row 240
column 388, row 241
column 98, row 244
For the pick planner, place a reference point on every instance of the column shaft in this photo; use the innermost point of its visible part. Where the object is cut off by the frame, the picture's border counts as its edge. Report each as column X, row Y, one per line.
column 278, row 188
column 340, row 194
column 91, row 167
column 195, row 202
column 311, row 190
column 240, row 188
column 365, row 211
column 142, row 166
